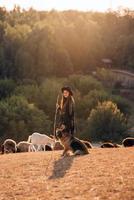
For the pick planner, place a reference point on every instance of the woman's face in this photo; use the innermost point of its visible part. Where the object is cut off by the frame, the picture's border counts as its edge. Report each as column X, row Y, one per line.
column 65, row 93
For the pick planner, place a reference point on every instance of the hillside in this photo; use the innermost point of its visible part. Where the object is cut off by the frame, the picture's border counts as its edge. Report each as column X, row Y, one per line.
column 103, row 174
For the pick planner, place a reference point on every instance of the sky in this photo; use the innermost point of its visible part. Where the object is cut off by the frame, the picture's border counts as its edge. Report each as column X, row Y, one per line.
column 84, row 5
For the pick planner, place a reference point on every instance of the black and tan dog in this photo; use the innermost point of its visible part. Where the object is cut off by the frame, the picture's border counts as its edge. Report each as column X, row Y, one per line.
column 71, row 143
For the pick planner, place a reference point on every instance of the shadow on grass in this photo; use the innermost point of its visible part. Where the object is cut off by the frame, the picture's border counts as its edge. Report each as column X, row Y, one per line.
column 61, row 167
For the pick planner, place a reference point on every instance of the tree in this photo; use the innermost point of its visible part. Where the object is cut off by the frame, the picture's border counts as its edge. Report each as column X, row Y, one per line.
column 106, row 123
column 84, row 83
column 20, row 119
column 7, row 87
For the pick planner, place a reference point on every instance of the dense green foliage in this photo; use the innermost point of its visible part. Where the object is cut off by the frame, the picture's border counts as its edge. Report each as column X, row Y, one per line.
column 42, row 51
column 37, row 44
column 31, row 107
column 19, row 118
column 106, row 122
column 7, row 87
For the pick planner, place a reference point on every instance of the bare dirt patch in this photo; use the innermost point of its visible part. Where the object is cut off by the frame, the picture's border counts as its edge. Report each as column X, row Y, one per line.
column 102, row 175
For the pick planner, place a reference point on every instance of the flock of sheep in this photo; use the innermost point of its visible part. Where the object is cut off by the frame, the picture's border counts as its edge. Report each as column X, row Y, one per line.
column 35, row 142
column 42, row 142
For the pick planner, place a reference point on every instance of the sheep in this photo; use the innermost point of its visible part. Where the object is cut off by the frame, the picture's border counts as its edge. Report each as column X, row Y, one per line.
column 128, row 142
column 25, row 146
column 110, row 145
column 42, row 147
column 41, row 139
column 9, row 146
column 107, row 145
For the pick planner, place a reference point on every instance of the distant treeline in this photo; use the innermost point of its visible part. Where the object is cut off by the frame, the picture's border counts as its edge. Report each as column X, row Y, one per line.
column 36, row 44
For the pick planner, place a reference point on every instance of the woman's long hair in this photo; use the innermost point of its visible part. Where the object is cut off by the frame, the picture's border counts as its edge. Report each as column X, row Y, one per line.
column 64, row 100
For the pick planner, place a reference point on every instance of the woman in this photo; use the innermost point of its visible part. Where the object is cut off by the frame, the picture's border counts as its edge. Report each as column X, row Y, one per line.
column 66, row 110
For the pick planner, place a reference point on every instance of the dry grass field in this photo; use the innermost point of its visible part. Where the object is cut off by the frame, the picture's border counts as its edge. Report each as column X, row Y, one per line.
column 104, row 174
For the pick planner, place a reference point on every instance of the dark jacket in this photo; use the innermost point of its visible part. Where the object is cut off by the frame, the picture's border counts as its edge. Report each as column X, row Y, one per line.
column 66, row 114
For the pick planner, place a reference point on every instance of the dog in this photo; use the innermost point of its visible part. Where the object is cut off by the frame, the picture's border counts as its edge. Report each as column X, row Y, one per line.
column 71, row 143
column 87, row 143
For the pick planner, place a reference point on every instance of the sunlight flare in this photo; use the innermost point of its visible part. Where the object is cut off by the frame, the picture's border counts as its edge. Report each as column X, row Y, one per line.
column 95, row 5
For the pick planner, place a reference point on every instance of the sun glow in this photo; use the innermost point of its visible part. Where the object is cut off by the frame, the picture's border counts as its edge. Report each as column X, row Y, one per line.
column 85, row 5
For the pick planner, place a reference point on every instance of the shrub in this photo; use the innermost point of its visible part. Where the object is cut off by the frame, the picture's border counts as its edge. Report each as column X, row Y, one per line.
column 106, row 122
column 84, row 83
column 30, row 92
column 43, row 96
column 19, row 119
column 49, row 91
column 84, row 104
column 7, row 87
column 122, row 104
